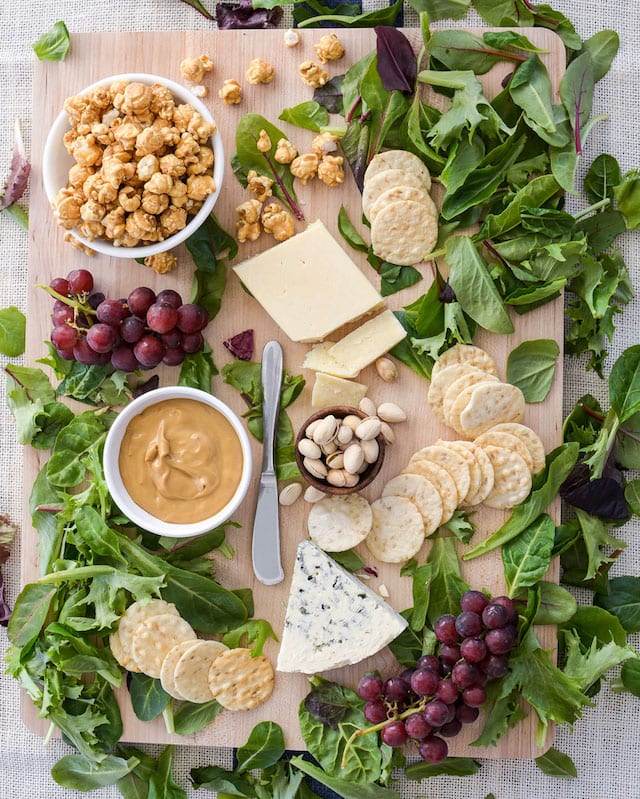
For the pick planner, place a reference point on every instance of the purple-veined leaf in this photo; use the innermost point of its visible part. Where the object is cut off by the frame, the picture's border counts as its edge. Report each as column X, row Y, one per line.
column 242, row 15
column 396, row 60
column 18, row 172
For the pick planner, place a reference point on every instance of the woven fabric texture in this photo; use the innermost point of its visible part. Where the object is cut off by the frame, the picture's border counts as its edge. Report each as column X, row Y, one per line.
column 605, row 743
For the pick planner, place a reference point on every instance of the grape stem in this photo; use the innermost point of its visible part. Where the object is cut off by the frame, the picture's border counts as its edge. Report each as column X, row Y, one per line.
column 377, row 727
column 79, row 307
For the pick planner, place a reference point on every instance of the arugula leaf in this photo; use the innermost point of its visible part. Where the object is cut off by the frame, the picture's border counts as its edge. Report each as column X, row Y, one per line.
column 556, row 764
column 12, row 330
column 531, row 366
column 504, row 711
column 310, row 115
column 54, row 44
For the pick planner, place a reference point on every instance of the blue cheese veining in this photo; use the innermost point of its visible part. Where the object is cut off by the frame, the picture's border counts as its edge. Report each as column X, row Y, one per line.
column 332, row 618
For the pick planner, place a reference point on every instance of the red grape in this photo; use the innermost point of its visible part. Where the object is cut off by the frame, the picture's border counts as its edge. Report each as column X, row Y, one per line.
column 140, row 300
column 424, row 682
column 149, row 351
column 161, row 317
column 132, row 329
column 495, row 616
column 171, row 339
column 510, row 606
column 499, row 642
column 467, row 714
column 375, row 712
column 66, row 354
column 192, row 318
column 436, row 713
column 370, row 687
column 429, row 662
column 495, row 666
column 468, row 624
column 394, row 734
column 101, row 337
column 473, row 649
column 433, row 749
column 80, row 281
column 169, row 297
column 445, row 629
column 63, row 337
column 465, row 674
column 95, row 298
column 395, row 689
column 447, row 692
column 192, row 342
column 474, row 695
column 174, row 356
column 450, row 653
column 84, row 354
column 61, row 285
column 112, row 312
column 474, row 601
column 416, row 726
column 123, row 358
column 451, row 728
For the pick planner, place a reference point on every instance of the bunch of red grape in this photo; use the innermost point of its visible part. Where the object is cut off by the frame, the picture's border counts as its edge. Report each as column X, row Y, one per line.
column 432, row 701
column 141, row 331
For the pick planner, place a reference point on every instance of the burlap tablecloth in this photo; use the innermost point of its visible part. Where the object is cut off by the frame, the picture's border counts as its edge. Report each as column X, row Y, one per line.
column 605, row 743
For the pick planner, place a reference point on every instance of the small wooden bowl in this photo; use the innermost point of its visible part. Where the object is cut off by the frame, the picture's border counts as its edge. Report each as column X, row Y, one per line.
column 369, row 474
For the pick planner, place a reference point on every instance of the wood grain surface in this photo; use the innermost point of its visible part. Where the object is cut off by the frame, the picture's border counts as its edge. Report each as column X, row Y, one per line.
column 95, row 56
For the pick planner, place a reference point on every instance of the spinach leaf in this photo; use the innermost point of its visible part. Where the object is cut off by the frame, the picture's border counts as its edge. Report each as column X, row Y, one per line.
column 190, row 717
column 624, row 384
column 473, row 286
column 504, row 13
column 463, row 50
column 533, row 195
column 148, row 697
column 630, row 676
column 207, row 246
column 531, row 366
column 344, row 786
column 54, row 44
column 384, row 107
column 604, row 173
column 591, row 622
column 627, row 194
column 556, row 605
column 83, row 434
column 161, row 783
column 446, row 585
column 248, row 157
column 623, row 600
column 527, row 558
column 30, row 613
column 264, row 747
column 227, row 783
column 556, row 764
column 442, row 9
column 380, row 16
column 507, row 40
column 451, row 766
column 79, row 773
column 12, row 329
column 135, row 784
column 349, row 233
column 530, row 90
column 546, row 484
column 602, row 48
column 421, row 591
column 310, row 115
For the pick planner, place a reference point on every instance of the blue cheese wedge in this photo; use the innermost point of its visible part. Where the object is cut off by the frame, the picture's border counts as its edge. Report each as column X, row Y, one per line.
column 332, row 618
column 308, row 285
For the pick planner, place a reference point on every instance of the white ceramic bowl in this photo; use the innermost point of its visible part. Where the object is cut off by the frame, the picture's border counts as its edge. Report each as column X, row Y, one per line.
column 118, row 490
column 56, row 163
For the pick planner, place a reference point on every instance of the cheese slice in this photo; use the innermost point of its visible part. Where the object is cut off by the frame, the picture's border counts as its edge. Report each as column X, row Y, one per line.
column 366, row 343
column 329, row 390
column 319, row 360
column 308, row 285
column 332, row 618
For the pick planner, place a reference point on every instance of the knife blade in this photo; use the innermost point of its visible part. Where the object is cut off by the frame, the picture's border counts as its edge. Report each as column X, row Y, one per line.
column 265, row 550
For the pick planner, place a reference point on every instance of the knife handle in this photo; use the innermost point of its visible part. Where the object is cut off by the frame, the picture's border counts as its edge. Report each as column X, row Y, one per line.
column 271, row 375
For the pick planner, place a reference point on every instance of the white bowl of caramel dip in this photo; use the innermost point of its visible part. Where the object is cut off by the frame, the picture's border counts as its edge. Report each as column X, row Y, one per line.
column 177, row 461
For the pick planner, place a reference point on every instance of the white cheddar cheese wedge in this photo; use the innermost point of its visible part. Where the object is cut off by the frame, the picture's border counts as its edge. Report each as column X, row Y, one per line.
column 329, row 390
column 308, row 285
column 332, row 618
column 366, row 343
column 319, row 360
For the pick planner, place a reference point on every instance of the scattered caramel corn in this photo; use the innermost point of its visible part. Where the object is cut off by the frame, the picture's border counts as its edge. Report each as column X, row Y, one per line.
column 259, row 185
column 259, row 71
column 231, row 92
column 291, row 38
column 277, row 221
column 323, row 144
column 312, row 74
column 329, row 48
column 305, row 167
column 162, row 263
column 199, row 91
column 193, row 68
column 330, row 170
column 264, row 142
column 285, row 151
column 248, row 226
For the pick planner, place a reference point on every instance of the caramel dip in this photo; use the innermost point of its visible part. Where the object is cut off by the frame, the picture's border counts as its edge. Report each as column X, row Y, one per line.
column 180, row 460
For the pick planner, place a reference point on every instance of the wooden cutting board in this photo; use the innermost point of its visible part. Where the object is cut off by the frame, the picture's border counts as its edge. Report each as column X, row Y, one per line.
column 95, row 56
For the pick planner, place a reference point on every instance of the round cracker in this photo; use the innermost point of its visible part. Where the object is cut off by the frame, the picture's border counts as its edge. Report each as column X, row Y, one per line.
column 155, row 637
column 240, row 682
column 138, row 612
column 458, row 385
column 383, row 181
column 397, row 532
column 490, row 404
column 443, row 482
column 452, row 461
column 401, row 193
column 459, row 405
column 191, row 675
column 512, row 478
column 507, row 440
column 441, row 380
column 475, row 474
column 530, row 439
column 465, row 353
column 167, row 670
column 339, row 522
column 123, row 657
column 404, row 232
column 398, row 159
column 422, row 493
column 486, row 473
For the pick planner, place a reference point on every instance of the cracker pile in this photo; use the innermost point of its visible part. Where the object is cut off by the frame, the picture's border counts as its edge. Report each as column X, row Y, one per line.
column 154, row 639
column 467, row 394
column 397, row 203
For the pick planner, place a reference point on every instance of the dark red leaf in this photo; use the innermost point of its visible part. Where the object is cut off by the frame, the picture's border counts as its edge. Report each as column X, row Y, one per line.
column 5, row 610
column 18, row 172
column 397, row 65
column 241, row 345
column 242, row 15
column 143, row 388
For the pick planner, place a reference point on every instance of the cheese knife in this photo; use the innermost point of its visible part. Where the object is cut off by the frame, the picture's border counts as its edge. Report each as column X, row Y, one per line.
column 265, row 550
